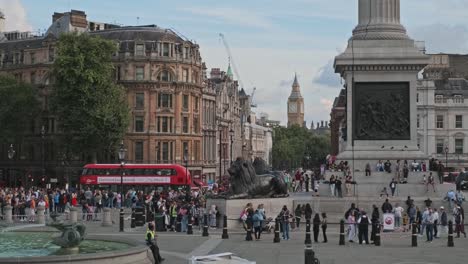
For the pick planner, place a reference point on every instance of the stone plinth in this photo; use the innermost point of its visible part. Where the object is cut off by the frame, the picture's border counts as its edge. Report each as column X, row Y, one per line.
column 106, row 217
column 40, row 215
column 8, row 214
column 234, row 208
column 73, row 215
column 380, row 68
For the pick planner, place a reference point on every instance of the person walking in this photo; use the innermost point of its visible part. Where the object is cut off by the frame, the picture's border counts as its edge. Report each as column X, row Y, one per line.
column 338, row 184
column 443, row 221
column 440, row 172
column 375, row 219
column 351, row 227
column 332, row 185
column 429, row 225
column 150, row 239
column 324, row 227
column 284, row 218
column 363, row 223
column 393, row 185
column 398, row 211
column 316, row 227
column 436, row 223
column 257, row 224
column 308, row 212
column 298, row 215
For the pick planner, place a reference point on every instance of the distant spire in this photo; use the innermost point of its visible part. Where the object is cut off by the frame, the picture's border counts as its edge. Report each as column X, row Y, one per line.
column 229, row 72
column 296, row 83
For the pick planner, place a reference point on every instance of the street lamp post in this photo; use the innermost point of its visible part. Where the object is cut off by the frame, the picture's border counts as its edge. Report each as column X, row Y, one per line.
column 122, row 152
column 43, row 154
column 11, row 154
column 220, row 154
column 187, row 186
column 446, row 157
column 231, row 133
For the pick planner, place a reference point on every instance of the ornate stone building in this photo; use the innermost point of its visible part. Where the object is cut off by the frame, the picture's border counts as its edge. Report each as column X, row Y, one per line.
column 442, row 120
column 177, row 114
column 296, row 105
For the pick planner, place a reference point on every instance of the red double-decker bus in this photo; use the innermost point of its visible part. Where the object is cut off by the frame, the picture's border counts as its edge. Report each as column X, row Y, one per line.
column 173, row 175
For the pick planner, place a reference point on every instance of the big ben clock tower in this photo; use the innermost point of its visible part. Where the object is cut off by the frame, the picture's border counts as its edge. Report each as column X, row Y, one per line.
column 295, row 105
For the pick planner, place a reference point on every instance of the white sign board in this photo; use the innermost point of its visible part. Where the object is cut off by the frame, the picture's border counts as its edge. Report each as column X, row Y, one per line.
column 388, row 222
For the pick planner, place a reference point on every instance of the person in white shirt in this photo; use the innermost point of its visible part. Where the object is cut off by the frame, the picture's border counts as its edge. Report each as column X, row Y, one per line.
column 398, row 211
column 436, row 222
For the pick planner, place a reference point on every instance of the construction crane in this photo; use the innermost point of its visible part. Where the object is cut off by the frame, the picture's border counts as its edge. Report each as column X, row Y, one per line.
column 234, row 66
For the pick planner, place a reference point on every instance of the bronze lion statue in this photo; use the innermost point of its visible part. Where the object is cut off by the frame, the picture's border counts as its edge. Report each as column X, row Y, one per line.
column 245, row 183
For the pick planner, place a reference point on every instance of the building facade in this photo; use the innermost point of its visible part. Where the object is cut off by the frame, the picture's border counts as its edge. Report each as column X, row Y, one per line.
column 178, row 115
column 442, row 119
column 296, row 105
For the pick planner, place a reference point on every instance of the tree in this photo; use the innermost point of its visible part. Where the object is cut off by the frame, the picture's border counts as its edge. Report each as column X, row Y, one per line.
column 91, row 109
column 19, row 105
column 293, row 145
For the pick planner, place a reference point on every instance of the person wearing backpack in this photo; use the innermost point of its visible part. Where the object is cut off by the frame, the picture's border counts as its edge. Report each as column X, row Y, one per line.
column 284, row 218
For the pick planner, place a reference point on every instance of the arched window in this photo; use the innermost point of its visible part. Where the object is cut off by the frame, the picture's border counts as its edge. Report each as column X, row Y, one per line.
column 164, row 76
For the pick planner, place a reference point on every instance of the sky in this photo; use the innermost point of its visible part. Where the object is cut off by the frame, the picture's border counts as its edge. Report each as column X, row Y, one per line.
column 270, row 40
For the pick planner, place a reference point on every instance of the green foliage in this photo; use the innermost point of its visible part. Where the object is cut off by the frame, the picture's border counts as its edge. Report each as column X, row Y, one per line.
column 91, row 109
column 19, row 105
column 292, row 145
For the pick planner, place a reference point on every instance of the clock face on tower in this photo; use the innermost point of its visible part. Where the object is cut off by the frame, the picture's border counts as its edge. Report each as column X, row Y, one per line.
column 292, row 107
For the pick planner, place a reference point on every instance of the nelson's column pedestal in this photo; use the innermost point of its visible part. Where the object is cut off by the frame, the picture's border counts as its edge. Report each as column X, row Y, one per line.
column 380, row 68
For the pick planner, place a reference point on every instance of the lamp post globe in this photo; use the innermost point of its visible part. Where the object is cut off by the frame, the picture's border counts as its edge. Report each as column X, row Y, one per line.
column 122, row 153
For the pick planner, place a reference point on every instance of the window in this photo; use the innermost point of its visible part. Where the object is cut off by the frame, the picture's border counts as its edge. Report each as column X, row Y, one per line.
column 140, row 50
column 165, row 152
column 185, row 76
column 185, row 149
column 164, row 76
column 118, row 75
column 417, row 97
column 196, row 127
column 440, row 121
column 33, row 77
column 139, row 100
column 195, row 104
column 439, row 99
column 459, row 121
column 185, row 102
column 440, row 146
column 185, row 124
column 139, row 124
column 417, row 121
column 140, row 73
column 165, row 50
column 164, row 124
column 139, row 151
column 33, row 57
column 196, row 150
column 51, row 54
column 186, row 52
column 165, row 101
column 458, row 146
column 458, row 99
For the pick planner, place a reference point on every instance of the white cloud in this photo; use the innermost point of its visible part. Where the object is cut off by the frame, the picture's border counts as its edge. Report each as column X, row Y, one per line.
column 15, row 14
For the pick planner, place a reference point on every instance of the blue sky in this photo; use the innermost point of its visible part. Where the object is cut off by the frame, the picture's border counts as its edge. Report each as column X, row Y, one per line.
column 269, row 39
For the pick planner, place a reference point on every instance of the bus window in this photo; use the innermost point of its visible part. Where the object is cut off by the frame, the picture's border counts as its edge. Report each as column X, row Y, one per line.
column 137, row 172
column 148, row 172
column 86, row 172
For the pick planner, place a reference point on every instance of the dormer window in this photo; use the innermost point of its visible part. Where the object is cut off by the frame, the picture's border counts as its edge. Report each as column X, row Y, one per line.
column 140, row 50
column 439, row 99
column 165, row 49
column 458, row 99
column 164, row 76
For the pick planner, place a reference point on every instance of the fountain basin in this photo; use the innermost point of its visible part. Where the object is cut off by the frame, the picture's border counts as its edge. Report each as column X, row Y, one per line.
column 36, row 247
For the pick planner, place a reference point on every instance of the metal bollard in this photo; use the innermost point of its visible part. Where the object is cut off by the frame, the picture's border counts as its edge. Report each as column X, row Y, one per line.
column 377, row 236
column 225, row 229
column 277, row 231
column 132, row 221
column 342, row 233
column 8, row 214
column 178, row 226
column 414, row 236
column 189, row 226
column 248, row 237
column 450, row 234
column 309, row 255
column 205, row 226
column 308, row 240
